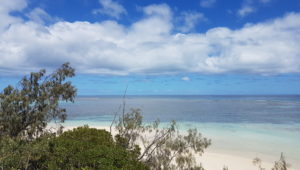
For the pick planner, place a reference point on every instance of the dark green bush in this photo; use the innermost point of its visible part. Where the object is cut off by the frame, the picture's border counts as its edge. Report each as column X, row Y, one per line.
column 86, row 147
column 17, row 153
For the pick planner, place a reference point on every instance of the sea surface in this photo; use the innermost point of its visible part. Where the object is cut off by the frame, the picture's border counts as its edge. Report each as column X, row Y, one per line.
column 249, row 126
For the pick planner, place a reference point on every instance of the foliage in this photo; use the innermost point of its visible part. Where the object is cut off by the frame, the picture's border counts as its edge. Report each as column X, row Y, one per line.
column 80, row 148
column 17, row 153
column 26, row 110
column 162, row 148
column 90, row 148
column 257, row 162
column 281, row 164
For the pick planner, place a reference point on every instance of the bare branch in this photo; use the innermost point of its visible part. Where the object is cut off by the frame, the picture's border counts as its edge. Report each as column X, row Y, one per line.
column 124, row 104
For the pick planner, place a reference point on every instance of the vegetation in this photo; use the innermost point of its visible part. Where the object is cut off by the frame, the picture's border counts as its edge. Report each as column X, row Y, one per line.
column 25, row 142
column 162, row 148
column 26, row 110
column 88, row 148
column 281, row 164
column 18, row 153
column 81, row 148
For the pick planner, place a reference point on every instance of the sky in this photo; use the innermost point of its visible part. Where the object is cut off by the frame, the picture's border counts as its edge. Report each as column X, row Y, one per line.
column 171, row 47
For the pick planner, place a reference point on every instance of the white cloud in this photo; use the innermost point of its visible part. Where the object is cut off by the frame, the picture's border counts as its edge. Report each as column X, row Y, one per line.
column 8, row 6
column 246, row 10
column 185, row 79
column 189, row 20
column 251, row 6
column 160, row 10
column 150, row 46
column 207, row 3
column 110, row 8
column 40, row 16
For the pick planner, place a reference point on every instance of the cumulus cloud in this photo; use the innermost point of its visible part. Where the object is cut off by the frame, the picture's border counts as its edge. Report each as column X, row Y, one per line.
column 207, row 3
column 110, row 8
column 151, row 46
column 8, row 6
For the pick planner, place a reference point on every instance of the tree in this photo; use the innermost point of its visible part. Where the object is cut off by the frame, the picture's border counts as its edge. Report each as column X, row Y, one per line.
column 161, row 148
column 26, row 109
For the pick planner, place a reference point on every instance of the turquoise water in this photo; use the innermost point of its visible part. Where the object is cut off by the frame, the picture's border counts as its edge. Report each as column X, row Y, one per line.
column 245, row 125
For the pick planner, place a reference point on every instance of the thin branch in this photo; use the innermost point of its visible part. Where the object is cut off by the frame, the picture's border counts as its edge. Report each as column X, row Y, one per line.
column 155, row 141
column 124, row 105
column 170, row 160
column 123, row 110
column 115, row 116
column 158, row 144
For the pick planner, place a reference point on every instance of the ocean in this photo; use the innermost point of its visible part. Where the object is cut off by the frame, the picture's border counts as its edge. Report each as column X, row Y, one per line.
column 217, row 109
column 249, row 126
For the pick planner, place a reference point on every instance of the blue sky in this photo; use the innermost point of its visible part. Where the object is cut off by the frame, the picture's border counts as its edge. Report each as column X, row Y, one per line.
column 156, row 47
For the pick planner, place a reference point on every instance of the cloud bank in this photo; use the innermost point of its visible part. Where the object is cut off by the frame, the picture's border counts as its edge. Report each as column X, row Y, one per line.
column 148, row 46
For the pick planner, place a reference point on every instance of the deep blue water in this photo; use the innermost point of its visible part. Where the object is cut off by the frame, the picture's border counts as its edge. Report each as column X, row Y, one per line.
column 210, row 109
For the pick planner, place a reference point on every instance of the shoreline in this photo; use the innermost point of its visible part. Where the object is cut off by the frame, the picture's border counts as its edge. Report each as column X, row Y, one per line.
column 216, row 157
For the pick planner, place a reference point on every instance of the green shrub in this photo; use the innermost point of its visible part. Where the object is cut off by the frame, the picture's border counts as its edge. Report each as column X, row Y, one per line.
column 80, row 148
column 90, row 148
column 17, row 153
